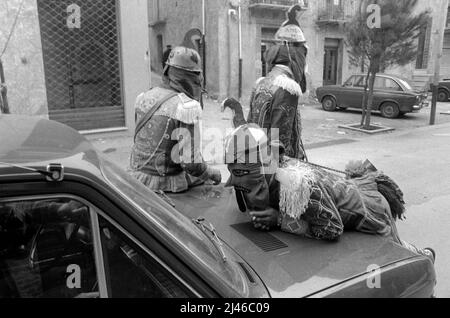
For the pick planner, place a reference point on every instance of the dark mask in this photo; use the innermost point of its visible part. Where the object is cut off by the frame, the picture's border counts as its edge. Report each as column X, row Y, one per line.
column 250, row 185
column 186, row 82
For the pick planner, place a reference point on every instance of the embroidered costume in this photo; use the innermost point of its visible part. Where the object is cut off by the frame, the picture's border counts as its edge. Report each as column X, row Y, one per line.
column 166, row 154
column 310, row 201
column 274, row 104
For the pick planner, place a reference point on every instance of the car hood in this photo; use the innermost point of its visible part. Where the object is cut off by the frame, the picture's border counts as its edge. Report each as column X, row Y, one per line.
column 289, row 266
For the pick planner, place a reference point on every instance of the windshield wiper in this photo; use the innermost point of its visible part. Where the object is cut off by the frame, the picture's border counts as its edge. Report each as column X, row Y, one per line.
column 214, row 239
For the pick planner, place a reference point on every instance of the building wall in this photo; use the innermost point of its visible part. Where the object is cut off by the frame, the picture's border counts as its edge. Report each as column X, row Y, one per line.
column 409, row 71
column 22, row 61
column 134, row 44
column 222, row 41
column 315, row 37
column 174, row 19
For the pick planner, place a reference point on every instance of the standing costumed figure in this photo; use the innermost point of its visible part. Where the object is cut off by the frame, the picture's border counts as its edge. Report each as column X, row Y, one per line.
column 274, row 102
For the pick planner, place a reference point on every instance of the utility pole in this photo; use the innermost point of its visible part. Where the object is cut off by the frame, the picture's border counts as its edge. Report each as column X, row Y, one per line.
column 240, row 48
column 439, row 41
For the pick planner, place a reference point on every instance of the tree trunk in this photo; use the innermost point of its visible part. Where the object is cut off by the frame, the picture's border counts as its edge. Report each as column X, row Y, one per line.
column 373, row 75
column 364, row 103
column 4, row 107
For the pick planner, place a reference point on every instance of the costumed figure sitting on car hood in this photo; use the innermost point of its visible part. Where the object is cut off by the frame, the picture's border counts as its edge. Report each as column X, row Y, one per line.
column 166, row 154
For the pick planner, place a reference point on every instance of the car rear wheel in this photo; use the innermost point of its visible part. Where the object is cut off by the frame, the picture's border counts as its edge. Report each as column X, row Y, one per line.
column 390, row 110
column 443, row 96
column 329, row 104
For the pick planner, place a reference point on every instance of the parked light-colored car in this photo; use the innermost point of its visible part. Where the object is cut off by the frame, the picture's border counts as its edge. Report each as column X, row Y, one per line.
column 393, row 96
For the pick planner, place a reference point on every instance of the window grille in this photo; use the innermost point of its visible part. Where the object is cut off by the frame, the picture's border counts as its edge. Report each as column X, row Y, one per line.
column 82, row 62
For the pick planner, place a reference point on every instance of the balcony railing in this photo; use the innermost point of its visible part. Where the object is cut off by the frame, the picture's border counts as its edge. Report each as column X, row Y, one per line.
column 335, row 11
column 276, row 4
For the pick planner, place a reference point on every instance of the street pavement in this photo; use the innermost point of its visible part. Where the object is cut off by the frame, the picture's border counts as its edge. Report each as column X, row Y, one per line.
column 419, row 161
column 415, row 155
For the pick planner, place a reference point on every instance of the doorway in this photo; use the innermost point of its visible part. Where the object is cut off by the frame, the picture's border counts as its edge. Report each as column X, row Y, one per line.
column 331, row 62
column 160, row 49
column 267, row 41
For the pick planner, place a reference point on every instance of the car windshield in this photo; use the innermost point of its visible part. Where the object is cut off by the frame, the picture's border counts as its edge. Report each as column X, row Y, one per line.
column 178, row 227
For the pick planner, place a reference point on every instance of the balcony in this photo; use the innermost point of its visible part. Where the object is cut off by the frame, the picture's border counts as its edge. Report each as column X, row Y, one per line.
column 334, row 12
column 154, row 13
column 157, row 23
column 282, row 5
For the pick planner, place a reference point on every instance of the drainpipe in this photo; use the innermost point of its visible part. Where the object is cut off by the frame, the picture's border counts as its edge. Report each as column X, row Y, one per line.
column 240, row 48
column 231, row 12
column 204, row 40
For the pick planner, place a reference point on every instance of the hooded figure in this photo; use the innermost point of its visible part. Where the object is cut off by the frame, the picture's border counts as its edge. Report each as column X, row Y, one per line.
column 166, row 154
column 275, row 98
column 298, row 198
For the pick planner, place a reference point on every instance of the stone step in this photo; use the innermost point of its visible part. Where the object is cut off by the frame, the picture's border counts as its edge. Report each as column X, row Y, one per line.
column 421, row 80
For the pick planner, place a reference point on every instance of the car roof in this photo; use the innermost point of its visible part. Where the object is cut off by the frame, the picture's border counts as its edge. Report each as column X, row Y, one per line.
column 382, row 75
column 33, row 140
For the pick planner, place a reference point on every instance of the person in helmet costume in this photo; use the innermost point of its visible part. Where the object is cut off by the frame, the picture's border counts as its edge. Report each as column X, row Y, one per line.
column 274, row 102
column 302, row 199
column 166, row 155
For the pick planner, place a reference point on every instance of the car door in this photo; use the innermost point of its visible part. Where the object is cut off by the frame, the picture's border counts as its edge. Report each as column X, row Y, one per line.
column 385, row 89
column 60, row 246
column 341, row 93
column 352, row 96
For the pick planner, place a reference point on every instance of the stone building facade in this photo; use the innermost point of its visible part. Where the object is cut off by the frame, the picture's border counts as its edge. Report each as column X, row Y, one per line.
column 421, row 71
column 322, row 23
column 80, row 62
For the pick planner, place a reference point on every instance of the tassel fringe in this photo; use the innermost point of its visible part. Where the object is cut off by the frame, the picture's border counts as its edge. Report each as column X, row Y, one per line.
column 188, row 112
column 288, row 84
column 296, row 185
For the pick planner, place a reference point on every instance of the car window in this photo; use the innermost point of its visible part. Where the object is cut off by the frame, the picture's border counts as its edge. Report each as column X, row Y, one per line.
column 391, row 85
column 131, row 272
column 350, row 81
column 360, row 81
column 384, row 83
column 379, row 83
column 46, row 250
column 406, row 84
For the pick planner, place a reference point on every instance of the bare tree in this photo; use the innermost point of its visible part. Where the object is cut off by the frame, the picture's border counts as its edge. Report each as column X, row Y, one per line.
column 391, row 43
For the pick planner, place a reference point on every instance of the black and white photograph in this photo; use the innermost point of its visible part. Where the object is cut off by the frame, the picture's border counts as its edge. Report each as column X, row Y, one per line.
column 224, row 154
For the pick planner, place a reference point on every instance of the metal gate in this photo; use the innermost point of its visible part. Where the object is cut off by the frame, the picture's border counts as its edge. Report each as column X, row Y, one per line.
column 82, row 62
